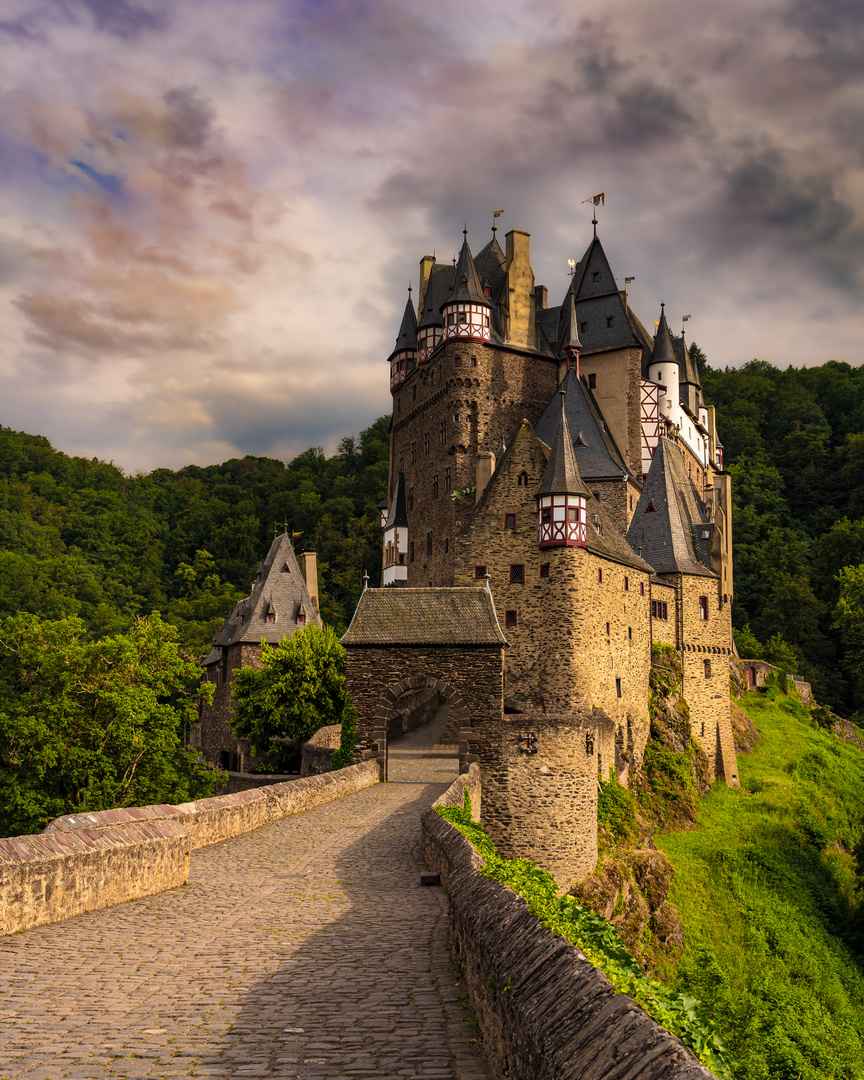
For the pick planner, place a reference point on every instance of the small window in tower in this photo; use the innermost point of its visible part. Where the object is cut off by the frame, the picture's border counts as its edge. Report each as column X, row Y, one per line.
column 411, row 552
column 428, row 543
column 629, row 633
column 523, row 479
column 610, row 320
column 286, row 569
column 626, row 583
column 411, row 500
column 474, row 358
column 650, row 508
column 703, row 608
column 487, row 320
column 572, row 513
column 517, row 573
column 301, row 619
column 487, row 290
column 451, row 318
column 600, row 575
column 631, row 502
column 457, row 361
column 463, row 284
column 435, row 486
column 707, row 664
column 447, row 545
column 641, row 588
column 509, row 521
column 546, row 514
column 618, row 688
column 447, row 483
column 583, row 326
column 544, row 569
column 414, row 453
column 592, row 381
column 463, row 317
column 426, row 443
column 607, row 629
column 271, row 616
column 509, row 618
column 479, row 572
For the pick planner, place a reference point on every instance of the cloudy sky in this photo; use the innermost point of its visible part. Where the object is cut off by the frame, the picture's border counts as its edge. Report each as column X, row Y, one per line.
column 210, row 209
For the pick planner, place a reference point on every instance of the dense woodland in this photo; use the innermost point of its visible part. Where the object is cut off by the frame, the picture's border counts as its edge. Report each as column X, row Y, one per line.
column 79, row 537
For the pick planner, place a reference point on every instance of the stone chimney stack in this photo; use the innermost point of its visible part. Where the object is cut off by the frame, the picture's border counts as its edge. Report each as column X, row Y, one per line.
column 519, row 297
column 309, row 569
column 426, row 264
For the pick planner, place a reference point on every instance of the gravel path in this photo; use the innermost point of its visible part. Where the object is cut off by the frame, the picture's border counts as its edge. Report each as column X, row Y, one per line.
column 304, row 949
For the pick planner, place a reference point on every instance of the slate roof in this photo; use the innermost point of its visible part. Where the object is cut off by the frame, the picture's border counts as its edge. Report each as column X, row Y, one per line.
column 407, row 336
column 446, row 616
column 670, row 518
column 490, row 266
column 466, row 271
column 598, row 458
column 562, row 473
column 398, row 512
column 663, row 351
column 569, row 328
column 437, row 288
column 285, row 590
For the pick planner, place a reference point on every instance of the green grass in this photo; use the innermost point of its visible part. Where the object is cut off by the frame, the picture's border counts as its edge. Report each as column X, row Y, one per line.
column 766, row 887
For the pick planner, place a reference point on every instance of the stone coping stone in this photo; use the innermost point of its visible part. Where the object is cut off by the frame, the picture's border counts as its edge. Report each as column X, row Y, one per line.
column 545, row 1012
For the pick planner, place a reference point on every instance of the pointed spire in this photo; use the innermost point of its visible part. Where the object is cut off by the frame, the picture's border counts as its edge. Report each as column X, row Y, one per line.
column 466, row 286
column 664, row 350
column 570, row 342
column 407, row 336
column 562, row 472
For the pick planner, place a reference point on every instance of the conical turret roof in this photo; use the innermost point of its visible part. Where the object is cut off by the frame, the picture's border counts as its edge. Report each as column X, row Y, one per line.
column 562, row 472
column 437, row 288
column 664, row 350
column 407, row 336
column 570, row 329
column 397, row 516
column 466, row 287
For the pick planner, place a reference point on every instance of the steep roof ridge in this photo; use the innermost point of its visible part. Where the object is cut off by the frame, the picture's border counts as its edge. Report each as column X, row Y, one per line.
column 437, row 288
column 407, row 336
column 466, row 271
column 663, row 351
column 562, row 470
column 397, row 516
column 451, row 615
column 664, row 532
column 570, row 329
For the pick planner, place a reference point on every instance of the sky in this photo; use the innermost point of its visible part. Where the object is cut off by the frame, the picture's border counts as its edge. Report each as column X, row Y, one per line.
column 210, row 210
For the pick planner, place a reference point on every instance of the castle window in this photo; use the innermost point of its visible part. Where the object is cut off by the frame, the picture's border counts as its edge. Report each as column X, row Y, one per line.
column 414, row 453
column 631, row 502
column 650, row 508
column 426, row 443
column 442, row 432
column 544, row 569
column 659, row 610
column 411, row 499
column 428, row 544
column 641, row 588
column 451, row 319
column 707, row 664
column 607, row 629
column 592, row 381
column 626, row 583
column 447, row 545
column 546, row 513
column 703, row 608
column 589, row 744
column 301, row 619
column 509, row 618
column 629, row 633
column 487, row 320
column 411, row 552
column 479, row 572
column 464, row 283
column 435, row 486
column 595, row 276
column 509, row 521
column 487, row 290
column 583, row 326
column 572, row 513
column 463, row 317
column 286, row 569
column 617, row 688
column 610, row 321
column 271, row 616
column 523, row 479
column 402, row 462
column 447, row 483
column 517, row 574
column 474, row 358
column 457, row 361
column 599, row 575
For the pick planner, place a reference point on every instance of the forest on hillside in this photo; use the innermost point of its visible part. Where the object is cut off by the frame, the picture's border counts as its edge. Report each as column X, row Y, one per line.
column 78, row 537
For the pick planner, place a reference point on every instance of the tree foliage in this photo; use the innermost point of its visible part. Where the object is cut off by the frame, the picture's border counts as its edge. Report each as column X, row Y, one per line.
column 90, row 725
column 299, row 688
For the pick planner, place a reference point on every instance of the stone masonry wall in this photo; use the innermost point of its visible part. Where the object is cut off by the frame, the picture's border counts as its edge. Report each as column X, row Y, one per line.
column 212, row 735
column 317, row 755
column 480, row 406
column 618, row 393
column 545, row 1012
column 85, row 862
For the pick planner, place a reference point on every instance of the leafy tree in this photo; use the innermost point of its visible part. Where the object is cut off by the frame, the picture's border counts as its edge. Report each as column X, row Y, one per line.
column 849, row 621
column 89, row 725
column 748, row 645
column 299, row 688
column 200, row 610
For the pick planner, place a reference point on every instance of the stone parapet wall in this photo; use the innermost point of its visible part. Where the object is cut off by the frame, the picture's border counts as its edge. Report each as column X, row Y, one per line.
column 319, row 750
column 84, row 862
column 761, row 669
column 544, row 1011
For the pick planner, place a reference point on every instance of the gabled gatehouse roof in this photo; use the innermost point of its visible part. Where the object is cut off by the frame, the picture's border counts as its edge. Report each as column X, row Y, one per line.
column 445, row 616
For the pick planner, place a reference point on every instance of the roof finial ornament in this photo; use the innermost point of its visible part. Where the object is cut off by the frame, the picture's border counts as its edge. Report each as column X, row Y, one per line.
column 495, row 215
column 365, row 580
column 465, row 230
column 286, row 525
column 486, row 580
column 409, row 286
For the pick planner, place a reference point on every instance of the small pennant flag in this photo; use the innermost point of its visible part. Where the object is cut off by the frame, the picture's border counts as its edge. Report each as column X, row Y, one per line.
column 656, row 323
column 293, row 534
column 686, row 317
column 627, row 281
column 598, row 200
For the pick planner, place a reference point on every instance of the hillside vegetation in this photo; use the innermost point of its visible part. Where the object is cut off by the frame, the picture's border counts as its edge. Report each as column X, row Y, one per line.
column 769, row 891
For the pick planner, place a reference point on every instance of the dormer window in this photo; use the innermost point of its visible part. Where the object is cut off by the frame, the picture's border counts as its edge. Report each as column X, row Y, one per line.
column 301, row 619
column 271, row 616
column 583, row 326
column 463, row 284
column 595, row 276
column 286, row 569
column 592, row 381
column 610, row 321
column 487, row 290
column 650, row 508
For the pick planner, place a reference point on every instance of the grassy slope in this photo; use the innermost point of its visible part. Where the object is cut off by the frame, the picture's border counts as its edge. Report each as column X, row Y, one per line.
column 766, row 890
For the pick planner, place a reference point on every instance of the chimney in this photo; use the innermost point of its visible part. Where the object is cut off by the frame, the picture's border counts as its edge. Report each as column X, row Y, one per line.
column 541, row 297
column 520, row 326
column 426, row 264
column 309, row 569
column 485, row 468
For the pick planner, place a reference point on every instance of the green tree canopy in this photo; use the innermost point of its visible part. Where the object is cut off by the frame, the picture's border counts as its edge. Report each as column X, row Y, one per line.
column 90, row 725
column 299, row 688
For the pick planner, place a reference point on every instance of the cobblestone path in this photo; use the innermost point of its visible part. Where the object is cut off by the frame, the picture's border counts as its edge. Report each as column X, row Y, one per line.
column 304, row 949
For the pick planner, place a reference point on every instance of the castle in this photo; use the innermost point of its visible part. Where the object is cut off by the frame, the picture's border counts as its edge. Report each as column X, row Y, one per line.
column 562, row 459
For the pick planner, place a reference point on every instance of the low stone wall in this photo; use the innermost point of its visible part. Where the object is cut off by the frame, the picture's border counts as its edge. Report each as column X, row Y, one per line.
column 319, row 750
column 85, row 862
column 243, row 781
column 761, row 669
column 544, row 1011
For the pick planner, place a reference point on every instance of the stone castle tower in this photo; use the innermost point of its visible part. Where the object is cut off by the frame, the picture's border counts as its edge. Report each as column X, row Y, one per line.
column 564, row 458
